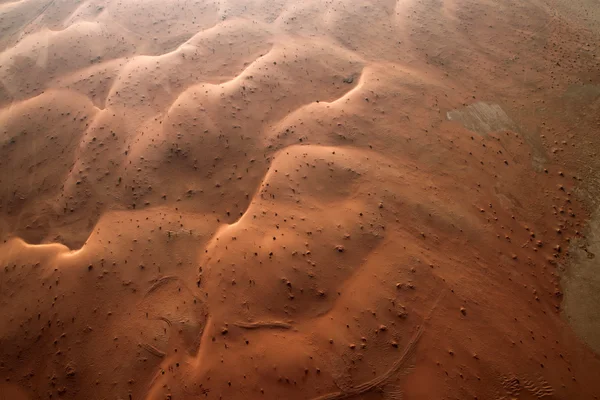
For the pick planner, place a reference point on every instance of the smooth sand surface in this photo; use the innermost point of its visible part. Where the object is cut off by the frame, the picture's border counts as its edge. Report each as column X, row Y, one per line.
column 282, row 199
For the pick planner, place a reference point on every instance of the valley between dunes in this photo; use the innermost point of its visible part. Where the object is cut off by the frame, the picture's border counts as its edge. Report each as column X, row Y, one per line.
column 320, row 199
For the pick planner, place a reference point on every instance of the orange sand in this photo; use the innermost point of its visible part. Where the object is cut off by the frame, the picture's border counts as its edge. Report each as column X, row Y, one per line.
column 276, row 199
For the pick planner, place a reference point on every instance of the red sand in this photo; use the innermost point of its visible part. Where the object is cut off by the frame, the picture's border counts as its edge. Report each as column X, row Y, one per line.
column 295, row 200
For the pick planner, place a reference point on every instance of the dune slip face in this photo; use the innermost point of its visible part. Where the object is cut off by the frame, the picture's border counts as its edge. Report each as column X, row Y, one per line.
column 321, row 199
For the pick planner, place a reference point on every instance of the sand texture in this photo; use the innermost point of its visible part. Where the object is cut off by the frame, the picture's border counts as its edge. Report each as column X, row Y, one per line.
column 285, row 199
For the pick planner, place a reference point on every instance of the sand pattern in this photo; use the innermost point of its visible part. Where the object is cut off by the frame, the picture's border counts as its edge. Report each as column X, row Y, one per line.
column 274, row 199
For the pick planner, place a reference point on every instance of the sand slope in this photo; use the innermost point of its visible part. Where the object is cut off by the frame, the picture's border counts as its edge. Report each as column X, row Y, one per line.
column 296, row 200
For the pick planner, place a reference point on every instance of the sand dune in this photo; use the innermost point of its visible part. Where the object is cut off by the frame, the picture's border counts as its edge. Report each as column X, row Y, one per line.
column 298, row 200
